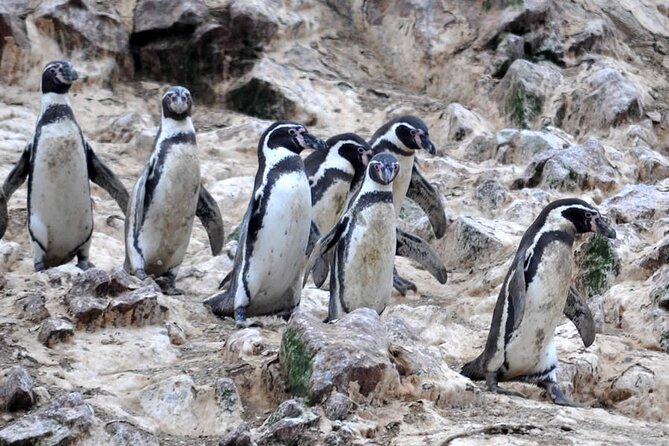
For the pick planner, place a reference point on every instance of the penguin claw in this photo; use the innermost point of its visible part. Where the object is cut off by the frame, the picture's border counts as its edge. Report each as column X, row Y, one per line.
column 557, row 396
column 403, row 285
column 248, row 324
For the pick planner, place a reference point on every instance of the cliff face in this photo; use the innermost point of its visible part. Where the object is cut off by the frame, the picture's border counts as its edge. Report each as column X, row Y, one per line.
column 527, row 102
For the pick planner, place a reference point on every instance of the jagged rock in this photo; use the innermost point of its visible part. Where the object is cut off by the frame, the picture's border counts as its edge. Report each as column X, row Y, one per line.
column 596, row 265
column 337, row 406
column 544, row 44
column 590, row 38
column 524, row 89
column 350, row 355
column 16, row 391
column 87, row 311
column 481, row 148
column 33, row 308
column 634, row 380
column 153, row 15
column 583, row 166
column 637, row 202
column 122, row 129
column 490, row 195
column 9, row 254
column 463, row 122
column 517, row 18
column 15, row 39
column 138, row 308
column 660, row 291
column 607, row 100
column 228, row 395
column 176, row 334
column 54, row 331
column 652, row 166
column 171, row 400
column 240, row 436
column 468, row 241
column 289, row 424
column 65, row 420
column 122, row 433
column 658, row 256
column 517, row 146
column 100, row 283
column 510, row 48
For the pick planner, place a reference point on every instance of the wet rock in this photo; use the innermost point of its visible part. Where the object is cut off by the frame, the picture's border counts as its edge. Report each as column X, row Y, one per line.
column 350, row 355
column 228, row 395
column 33, row 308
column 122, row 433
column 289, row 424
column 596, row 265
column 337, row 406
column 524, row 89
column 511, row 48
column 463, row 122
column 490, row 195
column 583, row 166
column 139, row 308
column 634, row 380
column 54, row 331
column 176, row 334
column 607, row 100
column 637, row 202
column 468, row 241
column 16, row 391
column 240, row 436
column 65, row 420
column 517, row 146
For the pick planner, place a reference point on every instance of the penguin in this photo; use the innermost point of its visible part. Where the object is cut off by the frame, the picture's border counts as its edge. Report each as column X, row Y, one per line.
column 275, row 232
column 59, row 163
column 4, row 214
column 167, row 197
column 361, row 273
column 402, row 137
column 520, row 345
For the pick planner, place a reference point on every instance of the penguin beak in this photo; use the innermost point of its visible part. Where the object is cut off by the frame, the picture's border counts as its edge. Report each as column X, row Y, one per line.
column 388, row 173
column 70, row 74
column 602, row 228
column 310, row 141
column 426, row 144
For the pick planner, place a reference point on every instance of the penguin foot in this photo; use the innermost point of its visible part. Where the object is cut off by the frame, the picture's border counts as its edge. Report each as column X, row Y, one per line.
column 491, row 383
column 173, row 291
column 221, row 304
column 140, row 274
column 242, row 322
column 403, row 285
column 39, row 266
column 556, row 394
column 84, row 264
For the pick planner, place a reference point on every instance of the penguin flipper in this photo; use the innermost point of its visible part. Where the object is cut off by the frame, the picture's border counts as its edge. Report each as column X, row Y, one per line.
column 101, row 175
column 210, row 215
column 4, row 216
column 419, row 250
column 426, row 196
column 577, row 311
column 322, row 246
column 19, row 173
column 516, row 295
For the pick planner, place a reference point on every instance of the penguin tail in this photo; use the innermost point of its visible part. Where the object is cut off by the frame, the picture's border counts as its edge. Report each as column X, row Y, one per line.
column 474, row 369
column 221, row 304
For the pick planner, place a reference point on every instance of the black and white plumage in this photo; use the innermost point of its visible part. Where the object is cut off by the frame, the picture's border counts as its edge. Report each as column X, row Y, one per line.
column 532, row 300
column 275, row 232
column 363, row 240
column 167, row 197
column 59, row 163
column 402, row 137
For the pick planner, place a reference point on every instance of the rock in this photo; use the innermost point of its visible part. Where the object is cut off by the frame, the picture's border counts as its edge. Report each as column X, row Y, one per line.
column 596, row 265
column 240, row 436
column 468, row 241
column 123, row 128
column 517, row 146
column 228, row 395
column 100, row 283
column 583, row 167
column 87, row 311
column 524, row 89
column 9, row 253
column 634, row 380
column 171, row 400
column 350, row 356
column 289, row 424
column 176, row 334
column 65, row 420
column 607, row 100
column 658, row 256
column 54, row 331
column 652, row 166
column 590, row 39
column 517, row 18
column 123, row 433
column 463, row 122
column 16, row 391
column 637, row 202
column 660, row 291
column 153, row 15
column 33, row 308
column 337, row 406
column 544, row 44
column 143, row 140
column 510, row 48
column 481, row 148
column 138, row 308
column 490, row 195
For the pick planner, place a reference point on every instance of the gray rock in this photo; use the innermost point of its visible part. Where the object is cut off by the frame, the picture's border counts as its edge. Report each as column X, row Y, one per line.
column 138, row 308
column 227, row 395
column 517, row 19
column 544, row 44
column 100, row 283
column 490, row 195
column 337, row 406
column 583, row 167
column 463, row 122
column 481, row 148
column 517, row 146
column 635, row 380
column 176, row 334
column 122, row 129
column 660, row 291
column 350, row 356
column 33, row 308
column 9, row 252
column 652, row 166
column 153, row 15
column 65, row 420
column 597, row 265
column 16, row 391
column 524, row 90
column 638, row 202
column 658, row 256
column 289, row 424
column 122, row 433
column 171, row 400
column 589, row 39
column 239, row 436
column 87, row 311
column 54, row 331
column 510, row 49
column 468, row 241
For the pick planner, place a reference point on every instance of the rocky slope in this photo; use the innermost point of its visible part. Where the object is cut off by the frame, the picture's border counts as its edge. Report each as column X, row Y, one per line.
column 527, row 101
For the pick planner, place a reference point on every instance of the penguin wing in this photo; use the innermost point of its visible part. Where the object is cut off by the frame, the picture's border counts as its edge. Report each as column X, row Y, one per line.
column 230, row 279
column 419, row 250
column 426, row 196
column 19, row 173
column 322, row 246
column 577, row 311
column 101, row 175
column 210, row 216
column 515, row 295
column 4, row 216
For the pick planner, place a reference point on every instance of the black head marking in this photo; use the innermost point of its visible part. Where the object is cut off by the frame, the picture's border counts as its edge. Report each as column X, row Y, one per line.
column 586, row 218
column 177, row 103
column 352, row 148
column 410, row 130
column 289, row 135
column 57, row 77
column 383, row 168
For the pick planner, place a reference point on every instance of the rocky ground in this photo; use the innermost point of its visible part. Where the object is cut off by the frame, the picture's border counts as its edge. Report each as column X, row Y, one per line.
column 527, row 102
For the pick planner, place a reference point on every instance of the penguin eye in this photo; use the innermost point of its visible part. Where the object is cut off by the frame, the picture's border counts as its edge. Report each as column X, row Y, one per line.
column 413, row 132
column 361, row 150
column 52, row 70
column 588, row 215
column 292, row 132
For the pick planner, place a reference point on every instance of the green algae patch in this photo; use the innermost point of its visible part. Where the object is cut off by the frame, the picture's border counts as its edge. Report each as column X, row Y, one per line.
column 598, row 264
column 297, row 362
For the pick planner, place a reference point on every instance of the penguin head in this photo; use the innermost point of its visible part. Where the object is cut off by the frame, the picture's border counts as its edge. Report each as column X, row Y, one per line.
column 412, row 132
column 584, row 217
column 383, row 168
column 177, row 103
column 289, row 135
column 57, row 77
column 352, row 148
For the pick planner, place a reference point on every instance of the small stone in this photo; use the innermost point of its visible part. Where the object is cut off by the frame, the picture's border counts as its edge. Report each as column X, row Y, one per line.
column 654, row 116
column 54, row 331
column 34, row 309
column 139, row 308
column 176, row 334
column 87, row 311
column 289, row 424
column 123, row 433
column 490, row 195
column 227, row 394
column 337, row 406
column 635, row 380
column 16, row 392
column 239, row 436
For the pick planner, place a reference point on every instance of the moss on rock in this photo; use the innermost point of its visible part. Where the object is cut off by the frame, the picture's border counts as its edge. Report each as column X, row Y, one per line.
column 297, row 361
column 597, row 264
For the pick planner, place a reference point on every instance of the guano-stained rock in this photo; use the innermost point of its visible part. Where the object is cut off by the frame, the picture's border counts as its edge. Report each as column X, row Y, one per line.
column 289, row 424
column 122, row 433
column 54, row 331
column 16, row 391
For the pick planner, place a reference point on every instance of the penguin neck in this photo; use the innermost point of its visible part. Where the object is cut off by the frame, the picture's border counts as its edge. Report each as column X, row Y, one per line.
column 52, row 99
column 370, row 185
column 270, row 157
column 172, row 127
column 335, row 161
column 556, row 222
column 389, row 142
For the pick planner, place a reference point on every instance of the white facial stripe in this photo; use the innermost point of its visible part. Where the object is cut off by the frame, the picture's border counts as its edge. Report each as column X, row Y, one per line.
column 266, row 140
column 391, row 136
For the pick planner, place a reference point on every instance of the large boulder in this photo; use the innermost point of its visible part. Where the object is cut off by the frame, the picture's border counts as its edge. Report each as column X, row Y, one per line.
column 516, row 146
column 638, row 202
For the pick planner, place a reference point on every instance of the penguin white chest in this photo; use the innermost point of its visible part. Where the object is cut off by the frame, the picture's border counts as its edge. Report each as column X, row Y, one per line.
column 279, row 251
column 531, row 348
column 401, row 182
column 61, row 217
column 370, row 253
column 331, row 205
